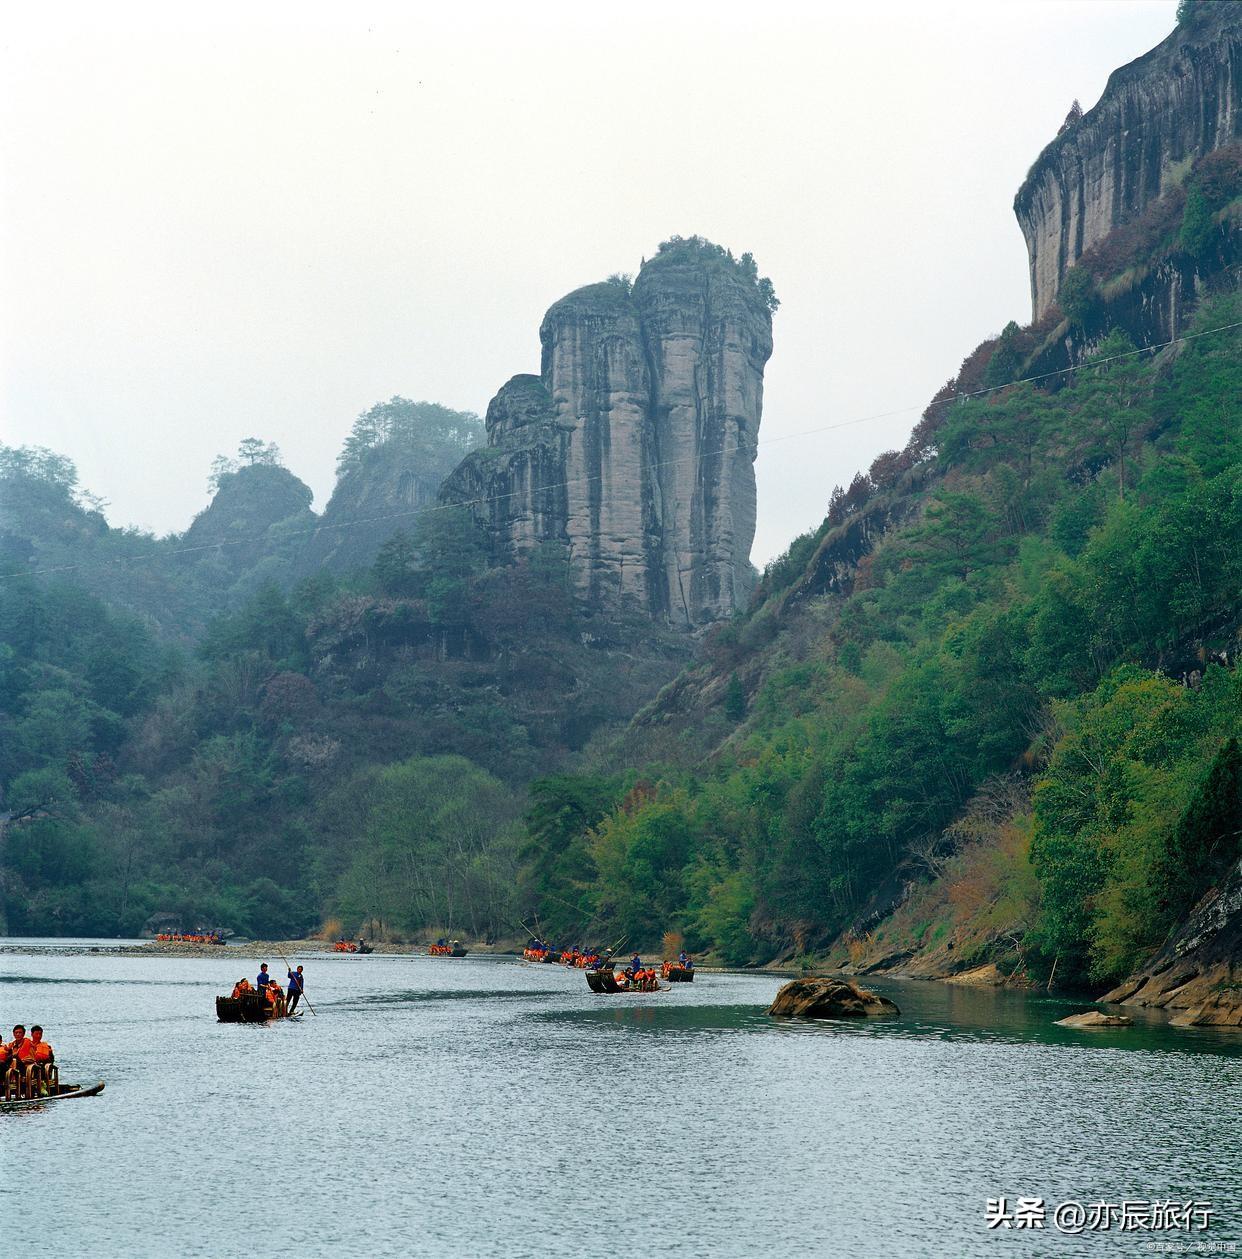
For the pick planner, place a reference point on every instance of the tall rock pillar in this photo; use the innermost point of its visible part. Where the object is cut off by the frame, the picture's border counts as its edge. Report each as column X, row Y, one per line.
column 635, row 446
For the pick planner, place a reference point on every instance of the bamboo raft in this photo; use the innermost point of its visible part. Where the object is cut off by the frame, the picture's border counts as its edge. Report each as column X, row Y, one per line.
column 447, row 950
column 606, row 981
column 249, row 1008
column 62, row 1093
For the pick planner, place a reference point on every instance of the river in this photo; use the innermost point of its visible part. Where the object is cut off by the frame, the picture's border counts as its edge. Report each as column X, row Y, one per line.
column 489, row 1107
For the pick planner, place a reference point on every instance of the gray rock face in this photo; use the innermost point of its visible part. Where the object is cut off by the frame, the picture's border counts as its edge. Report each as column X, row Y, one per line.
column 1200, row 968
column 635, row 446
column 515, row 484
column 390, row 470
column 1170, row 106
column 369, row 504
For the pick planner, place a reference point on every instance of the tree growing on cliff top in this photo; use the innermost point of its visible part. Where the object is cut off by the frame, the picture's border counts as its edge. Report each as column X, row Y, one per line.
column 745, row 266
column 423, row 430
column 1191, row 12
column 251, row 452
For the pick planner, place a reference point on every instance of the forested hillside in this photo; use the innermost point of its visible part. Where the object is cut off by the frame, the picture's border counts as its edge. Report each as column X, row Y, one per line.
column 1014, row 714
column 192, row 731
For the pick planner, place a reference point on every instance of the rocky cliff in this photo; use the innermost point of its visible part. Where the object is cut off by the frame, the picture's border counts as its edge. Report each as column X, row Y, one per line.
column 393, row 463
column 1157, row 115
column 634, row 447
column 1198, row 971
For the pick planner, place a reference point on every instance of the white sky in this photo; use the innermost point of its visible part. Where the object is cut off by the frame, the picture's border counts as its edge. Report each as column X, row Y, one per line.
column 238, row 219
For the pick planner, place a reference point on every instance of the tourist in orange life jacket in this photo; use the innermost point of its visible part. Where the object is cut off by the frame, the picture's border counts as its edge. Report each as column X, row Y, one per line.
column 43, row 1057
column 17, row 1047
column 22, row 1048
column 240, row 987
column 8, row 1081
column 42, row 1050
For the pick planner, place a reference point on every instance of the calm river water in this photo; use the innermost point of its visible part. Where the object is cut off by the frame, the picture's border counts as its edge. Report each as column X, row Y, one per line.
column 488, row 1107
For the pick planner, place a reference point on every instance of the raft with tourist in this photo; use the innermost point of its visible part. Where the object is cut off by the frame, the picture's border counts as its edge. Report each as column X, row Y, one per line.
column 634, row 978
column 582, row 959
column 447, row 948
column 679, row 972
column 214, row 938
column 264, row 1000
column 30, row 1075
column 349, row 946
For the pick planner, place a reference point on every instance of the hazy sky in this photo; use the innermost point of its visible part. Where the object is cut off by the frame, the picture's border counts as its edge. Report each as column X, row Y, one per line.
column 234, row 219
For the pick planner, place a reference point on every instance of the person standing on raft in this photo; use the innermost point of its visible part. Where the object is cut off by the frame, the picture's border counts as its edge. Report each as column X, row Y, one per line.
column 297, row 982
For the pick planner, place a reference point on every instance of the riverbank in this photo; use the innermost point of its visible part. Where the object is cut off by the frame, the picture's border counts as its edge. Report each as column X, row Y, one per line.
column 273, row 950
column 261, row 949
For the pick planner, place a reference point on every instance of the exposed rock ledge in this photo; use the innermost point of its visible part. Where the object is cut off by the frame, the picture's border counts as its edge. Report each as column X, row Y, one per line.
column 1198, row 971
column 830, row 999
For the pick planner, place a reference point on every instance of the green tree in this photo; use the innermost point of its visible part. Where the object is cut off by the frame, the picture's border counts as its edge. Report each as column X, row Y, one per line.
column 1207, row 839
column 396, row 566
column 434, row 435
column 435, row 846
column 453, row 552
column 251, row 451
column 735, row 699
column 557, row 864
column 1078, row 296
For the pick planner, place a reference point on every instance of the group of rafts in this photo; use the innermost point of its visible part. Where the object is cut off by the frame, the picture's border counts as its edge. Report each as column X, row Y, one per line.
column 601, row 973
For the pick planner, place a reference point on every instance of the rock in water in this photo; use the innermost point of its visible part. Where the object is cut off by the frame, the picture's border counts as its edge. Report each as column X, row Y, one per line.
column 1095, row 1018
column 634, row 448
column 830, row 999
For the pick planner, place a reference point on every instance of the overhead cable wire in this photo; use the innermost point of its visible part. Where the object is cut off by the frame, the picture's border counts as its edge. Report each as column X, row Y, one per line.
column 170, row 552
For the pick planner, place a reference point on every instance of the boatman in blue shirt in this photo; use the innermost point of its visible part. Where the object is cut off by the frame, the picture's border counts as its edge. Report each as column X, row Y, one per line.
column 263, row 978
column 296, row 983
column 636, row 964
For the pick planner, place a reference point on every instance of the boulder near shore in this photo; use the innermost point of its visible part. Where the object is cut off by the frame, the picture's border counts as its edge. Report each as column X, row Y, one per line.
column 1095, row 1018
column 830, row 999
